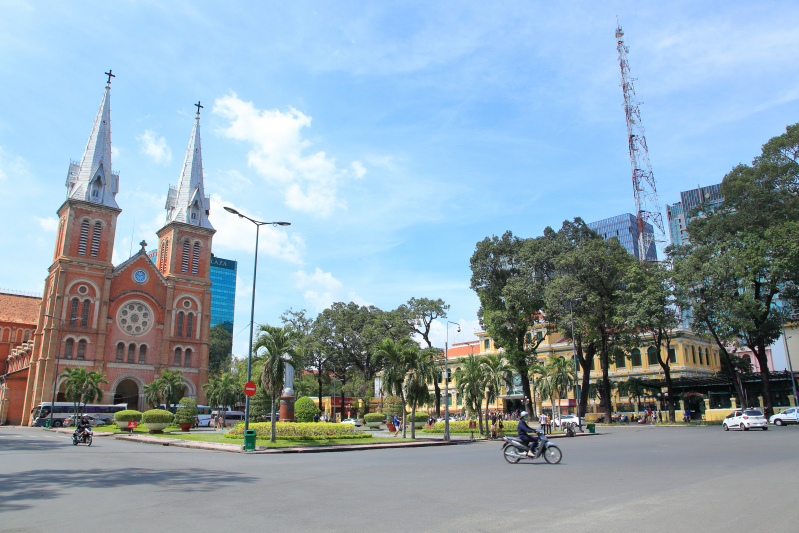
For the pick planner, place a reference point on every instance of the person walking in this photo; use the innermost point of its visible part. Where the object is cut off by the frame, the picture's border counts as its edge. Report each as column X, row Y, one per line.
column 396, row 425
column 500, row 427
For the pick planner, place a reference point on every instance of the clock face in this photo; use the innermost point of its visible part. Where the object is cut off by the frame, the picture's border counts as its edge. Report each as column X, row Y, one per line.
column 140, row 276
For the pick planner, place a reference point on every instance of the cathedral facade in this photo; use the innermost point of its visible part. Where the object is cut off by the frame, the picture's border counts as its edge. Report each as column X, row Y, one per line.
column 134, row 320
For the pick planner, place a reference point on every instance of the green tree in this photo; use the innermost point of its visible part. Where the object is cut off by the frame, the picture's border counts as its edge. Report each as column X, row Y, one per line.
column 471, row 384
column 316, row 358
column 278, row 344
column 399, row 356
column 305, row 409
column 652, row 314
column 220, row 350
column 83, row 387
column 560, row 373
column 421, row 371
column 224, row 392
column 172, row 386
column 152, row 394
column 496, row 371
column 419, row 315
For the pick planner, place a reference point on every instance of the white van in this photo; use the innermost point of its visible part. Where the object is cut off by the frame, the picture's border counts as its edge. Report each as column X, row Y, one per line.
column 231, row 417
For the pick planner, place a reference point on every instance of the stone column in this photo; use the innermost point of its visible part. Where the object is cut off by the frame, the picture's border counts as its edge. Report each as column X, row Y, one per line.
column 791, row 400
column 287, row 396
column 760, row 401
column 734, row 402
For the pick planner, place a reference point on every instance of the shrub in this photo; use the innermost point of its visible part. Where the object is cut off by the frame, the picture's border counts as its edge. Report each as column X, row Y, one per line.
column 157, row 416
column 299, row 430
column 187, row 411
column 127, row 415
column 419, row 417
column 462, row 426
column 392, row 405
column 305, row 409
column 374, row 417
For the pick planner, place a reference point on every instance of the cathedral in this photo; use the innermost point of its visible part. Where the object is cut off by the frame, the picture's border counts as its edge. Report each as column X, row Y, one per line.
column 134, row 320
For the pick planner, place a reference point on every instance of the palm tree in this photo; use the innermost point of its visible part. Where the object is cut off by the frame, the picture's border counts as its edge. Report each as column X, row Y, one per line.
column 470, row 384
column 152, row 393
column 91, row 389
column 172, row 386
column 547, row 389
column 536, row 373
column 73, row 387
column 496, row 370
column 222, row 392
column 421, row 371
column 561, row 373
column 399, row 356
column 278, row 344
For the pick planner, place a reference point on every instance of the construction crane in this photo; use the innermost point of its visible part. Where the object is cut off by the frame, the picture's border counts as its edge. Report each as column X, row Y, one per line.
column 647, row 205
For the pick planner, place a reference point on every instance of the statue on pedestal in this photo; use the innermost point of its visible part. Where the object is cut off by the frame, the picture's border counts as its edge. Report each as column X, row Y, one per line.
column 287, row 395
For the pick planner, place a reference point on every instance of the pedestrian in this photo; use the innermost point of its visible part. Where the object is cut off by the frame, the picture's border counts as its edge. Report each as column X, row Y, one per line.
column 316, row 417
column 396, row 425
column 493, row 425
column 660, row 416
column 500, row 427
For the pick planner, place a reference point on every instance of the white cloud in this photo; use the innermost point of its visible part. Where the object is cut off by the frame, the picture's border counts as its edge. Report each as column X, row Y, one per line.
column 322, row 289
column 233, row 233
column 319, row 278
column 309, row 182
column 49, row 224
column 155, row 147
column 114, row 152
column 11, row 165
column 358, row 169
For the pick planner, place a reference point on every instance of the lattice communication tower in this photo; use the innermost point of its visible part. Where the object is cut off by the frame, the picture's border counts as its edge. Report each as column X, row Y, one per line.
column 647, row 205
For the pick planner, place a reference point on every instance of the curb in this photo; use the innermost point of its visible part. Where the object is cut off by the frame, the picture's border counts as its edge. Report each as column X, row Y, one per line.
column 70, row 432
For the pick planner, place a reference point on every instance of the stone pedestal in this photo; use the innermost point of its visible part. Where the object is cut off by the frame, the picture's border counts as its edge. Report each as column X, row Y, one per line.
column 760, row 401
column 734, row 402
column 286, row 408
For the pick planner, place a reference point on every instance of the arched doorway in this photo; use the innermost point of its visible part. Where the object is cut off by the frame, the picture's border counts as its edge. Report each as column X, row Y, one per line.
column 127, row 391
column 61, row 395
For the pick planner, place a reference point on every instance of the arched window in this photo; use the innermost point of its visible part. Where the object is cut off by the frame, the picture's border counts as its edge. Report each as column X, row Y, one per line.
column 652, row 355
column 73, row 311
column 693, row 354
column 97, row 185
column 84, row 236
column 70, row 345
column 163, row 257
column 190, row 325
column 187, row 357
column 701, row 362
column 142, row 354
column 178, row 355
column 185, row 263
column 98, row 228
column 120, row 351
column 195, row 258
column 179, row 327
column 635, row 356
column 131, row 353
column 26, row 336
column 82, row 349
column 84, row 320
column 672, row 355
column 707, row 356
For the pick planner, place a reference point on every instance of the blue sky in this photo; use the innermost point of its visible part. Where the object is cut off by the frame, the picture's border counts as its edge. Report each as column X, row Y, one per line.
column 392, row 136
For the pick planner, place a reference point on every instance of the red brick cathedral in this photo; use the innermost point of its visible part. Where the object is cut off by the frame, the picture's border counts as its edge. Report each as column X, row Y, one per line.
column 132, row 320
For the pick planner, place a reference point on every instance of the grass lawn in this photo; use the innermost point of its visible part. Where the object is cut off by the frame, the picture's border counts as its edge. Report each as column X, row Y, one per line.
column 218, row 437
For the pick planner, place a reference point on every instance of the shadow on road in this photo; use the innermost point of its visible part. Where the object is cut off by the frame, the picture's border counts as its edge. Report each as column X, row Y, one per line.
column 14, row 443
column 18, row 489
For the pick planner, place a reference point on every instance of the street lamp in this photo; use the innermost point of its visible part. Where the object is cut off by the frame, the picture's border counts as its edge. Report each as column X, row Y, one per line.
column 57, row 360
column 576, row 366
column 258, row 225
column 446, row 381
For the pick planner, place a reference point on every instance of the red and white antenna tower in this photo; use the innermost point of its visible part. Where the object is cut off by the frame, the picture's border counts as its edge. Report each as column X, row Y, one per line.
column 647, row 205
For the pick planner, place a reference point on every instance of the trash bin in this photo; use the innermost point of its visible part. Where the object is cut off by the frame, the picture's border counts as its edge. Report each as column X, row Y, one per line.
column 47, row 423
column 249, row 440
column 591, row 428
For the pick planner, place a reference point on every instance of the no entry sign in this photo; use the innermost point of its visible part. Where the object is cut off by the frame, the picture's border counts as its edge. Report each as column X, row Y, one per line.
column 249, row 388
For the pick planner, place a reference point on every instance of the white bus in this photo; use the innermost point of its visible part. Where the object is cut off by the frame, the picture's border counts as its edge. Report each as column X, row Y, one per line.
column 203, row 413
column 62, row 410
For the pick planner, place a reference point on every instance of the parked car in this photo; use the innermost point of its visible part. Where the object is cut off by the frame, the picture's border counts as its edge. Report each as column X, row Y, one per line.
column 94, row 420
column 567, row 419
column 787, row 416
column 451, row 419
column 354, row 421
column 745, row 420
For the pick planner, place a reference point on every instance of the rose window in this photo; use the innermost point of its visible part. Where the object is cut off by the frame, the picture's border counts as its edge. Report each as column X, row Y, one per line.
column 135, row 318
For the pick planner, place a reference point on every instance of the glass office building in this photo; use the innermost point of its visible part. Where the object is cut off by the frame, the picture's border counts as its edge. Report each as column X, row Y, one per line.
column 625, row 229
column 223, row 292
column 679, row 214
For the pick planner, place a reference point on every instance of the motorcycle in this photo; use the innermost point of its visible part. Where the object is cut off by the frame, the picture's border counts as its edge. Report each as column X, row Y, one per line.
column 84, row 436
column 515, row 450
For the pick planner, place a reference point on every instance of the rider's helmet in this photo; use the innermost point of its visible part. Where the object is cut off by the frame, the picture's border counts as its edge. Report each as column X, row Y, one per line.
column 524, row 414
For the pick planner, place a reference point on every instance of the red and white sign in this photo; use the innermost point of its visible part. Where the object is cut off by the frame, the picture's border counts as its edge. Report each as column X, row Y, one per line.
column 249, row 388
column 132, row 424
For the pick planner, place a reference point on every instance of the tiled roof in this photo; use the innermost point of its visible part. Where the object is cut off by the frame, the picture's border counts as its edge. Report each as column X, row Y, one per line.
column 19, row 309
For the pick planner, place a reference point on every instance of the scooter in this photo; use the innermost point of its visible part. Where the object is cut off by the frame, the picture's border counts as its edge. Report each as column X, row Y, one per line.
column 84, row 436
column 514, row 450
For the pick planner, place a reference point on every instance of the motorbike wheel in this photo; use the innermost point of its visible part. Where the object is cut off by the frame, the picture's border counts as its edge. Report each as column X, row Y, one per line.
column 89, row 440
column 511, row 455
column 74, row 441
column 553, row 455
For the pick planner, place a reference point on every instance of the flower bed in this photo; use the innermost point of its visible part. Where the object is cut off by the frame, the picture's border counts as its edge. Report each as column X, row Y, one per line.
column 462, row 426
column 292, row 430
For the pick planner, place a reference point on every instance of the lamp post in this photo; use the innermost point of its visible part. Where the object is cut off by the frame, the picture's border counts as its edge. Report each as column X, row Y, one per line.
column 446, row 380
column 57, row 360
column 576, row 366
column 258, row 225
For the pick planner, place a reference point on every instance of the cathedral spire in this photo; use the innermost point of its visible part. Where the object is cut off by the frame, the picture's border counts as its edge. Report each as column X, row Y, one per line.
column 187, row 203
column 92, row 179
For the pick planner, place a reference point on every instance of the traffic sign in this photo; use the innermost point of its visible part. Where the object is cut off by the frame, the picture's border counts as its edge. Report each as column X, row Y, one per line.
column 249, row 388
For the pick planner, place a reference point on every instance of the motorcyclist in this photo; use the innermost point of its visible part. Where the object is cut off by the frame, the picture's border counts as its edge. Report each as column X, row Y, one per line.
column 523, row 431
column 83, row 426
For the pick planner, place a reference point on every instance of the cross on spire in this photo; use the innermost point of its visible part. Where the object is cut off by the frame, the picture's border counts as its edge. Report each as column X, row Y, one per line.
column 198, row 106
column 109, row 75
column 143, row 245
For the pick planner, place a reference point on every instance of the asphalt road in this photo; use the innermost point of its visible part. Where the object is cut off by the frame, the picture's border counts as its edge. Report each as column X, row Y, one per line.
column 629, row 479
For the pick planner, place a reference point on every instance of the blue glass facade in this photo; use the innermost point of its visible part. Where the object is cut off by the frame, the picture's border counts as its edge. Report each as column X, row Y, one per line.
column 625, row 229
column 679, row 214
column 223, row 292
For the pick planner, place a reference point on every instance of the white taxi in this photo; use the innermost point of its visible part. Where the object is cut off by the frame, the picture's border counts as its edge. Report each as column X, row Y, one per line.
column 745, row 420
column 787, row 416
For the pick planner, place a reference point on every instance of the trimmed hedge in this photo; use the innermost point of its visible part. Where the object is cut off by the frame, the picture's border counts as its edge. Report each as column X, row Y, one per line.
column 187, row 412
column 419, row 417
column 294, row 430
column 157, row 416
column 462, row 426
column 128, row 415
column 374, row 417
column 305, row 409
column 310, row 439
